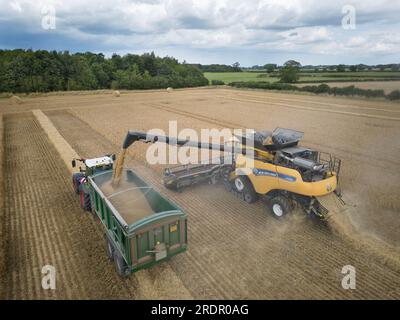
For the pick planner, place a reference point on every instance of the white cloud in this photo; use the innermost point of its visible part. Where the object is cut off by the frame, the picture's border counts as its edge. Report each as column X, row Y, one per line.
column 15, row 5
column 306, row 27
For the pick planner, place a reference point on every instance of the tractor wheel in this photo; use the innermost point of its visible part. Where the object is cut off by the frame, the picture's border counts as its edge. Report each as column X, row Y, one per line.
column 85, row 201
column 109, row 249
column 120, row 264
column 244, row 187
column 76, row 177
column 280, row 206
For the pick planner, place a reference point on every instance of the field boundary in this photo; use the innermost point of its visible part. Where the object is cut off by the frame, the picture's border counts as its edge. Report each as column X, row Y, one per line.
column 146, row 284
column 311, row 94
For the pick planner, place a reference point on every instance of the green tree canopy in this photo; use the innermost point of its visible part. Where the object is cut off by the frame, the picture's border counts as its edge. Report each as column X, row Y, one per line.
column 31, row 71
column 289, row 73
column 270, row 67
column 341, row 68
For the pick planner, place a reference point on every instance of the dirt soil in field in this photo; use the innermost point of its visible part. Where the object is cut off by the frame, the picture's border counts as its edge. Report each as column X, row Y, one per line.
column 236, row 250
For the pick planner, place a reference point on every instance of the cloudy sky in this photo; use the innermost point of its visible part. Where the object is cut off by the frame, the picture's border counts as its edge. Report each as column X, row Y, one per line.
column 221, row 31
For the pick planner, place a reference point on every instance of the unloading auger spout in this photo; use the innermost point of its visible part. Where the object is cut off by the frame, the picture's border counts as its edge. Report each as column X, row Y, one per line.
column 133, row 136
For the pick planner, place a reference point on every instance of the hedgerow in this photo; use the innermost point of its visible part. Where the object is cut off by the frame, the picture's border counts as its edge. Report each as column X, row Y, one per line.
column 322, row 88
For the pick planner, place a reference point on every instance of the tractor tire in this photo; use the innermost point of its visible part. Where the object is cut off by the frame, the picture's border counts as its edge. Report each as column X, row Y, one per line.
column 243, row 186
column 85, row 201
column 76, row 177
column 120, row 264
column 109, row 249
column 280, row 206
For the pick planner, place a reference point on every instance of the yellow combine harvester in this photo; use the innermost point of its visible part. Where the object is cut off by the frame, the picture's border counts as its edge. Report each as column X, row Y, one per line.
column 283, row 173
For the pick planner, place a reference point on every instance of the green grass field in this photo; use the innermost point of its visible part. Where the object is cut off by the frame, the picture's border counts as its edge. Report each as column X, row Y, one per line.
column 228, row 77
column 237, row 76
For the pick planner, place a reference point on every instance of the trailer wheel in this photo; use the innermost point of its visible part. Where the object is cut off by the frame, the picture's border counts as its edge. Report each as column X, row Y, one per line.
column 85, row 201
column 109, row 249
column 280, row 206
column 120, row 264
column 243, row 185
column 76, row 177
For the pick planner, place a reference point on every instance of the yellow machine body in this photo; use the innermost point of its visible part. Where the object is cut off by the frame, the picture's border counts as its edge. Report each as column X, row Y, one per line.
column 266, row 177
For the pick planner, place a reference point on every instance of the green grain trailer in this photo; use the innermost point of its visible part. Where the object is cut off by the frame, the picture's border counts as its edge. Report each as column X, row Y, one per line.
column 142, row 227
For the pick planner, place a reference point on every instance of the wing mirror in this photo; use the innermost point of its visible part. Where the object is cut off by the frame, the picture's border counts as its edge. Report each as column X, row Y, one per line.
column 73, row 163
column 113, row 157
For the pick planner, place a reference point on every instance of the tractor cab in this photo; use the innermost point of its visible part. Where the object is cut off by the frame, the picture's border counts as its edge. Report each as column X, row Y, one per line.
column 96, row 165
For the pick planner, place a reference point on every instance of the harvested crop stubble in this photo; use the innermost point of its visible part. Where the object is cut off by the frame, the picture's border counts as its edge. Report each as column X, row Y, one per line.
column 2, row 231
column 342, row 226
column 45, row 224
column 62, row 146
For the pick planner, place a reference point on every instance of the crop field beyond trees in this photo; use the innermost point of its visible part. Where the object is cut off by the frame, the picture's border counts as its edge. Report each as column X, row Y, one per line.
column 309, row 77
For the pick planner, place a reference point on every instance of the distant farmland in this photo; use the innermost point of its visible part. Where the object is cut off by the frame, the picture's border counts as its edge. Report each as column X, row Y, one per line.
column 238, row 76
column 311, row 77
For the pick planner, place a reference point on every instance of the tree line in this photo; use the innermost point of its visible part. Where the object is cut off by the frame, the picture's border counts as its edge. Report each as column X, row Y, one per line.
column 270, row 67
column 219, row 67
column 24, row 71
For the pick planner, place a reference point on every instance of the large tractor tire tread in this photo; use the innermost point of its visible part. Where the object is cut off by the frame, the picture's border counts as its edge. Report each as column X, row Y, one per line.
column 85, row 201
column 76, row 177
column 244, row 189
column 280, row 206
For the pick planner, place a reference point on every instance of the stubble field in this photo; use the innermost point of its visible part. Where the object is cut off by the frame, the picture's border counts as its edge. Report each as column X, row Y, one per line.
column 236, row 250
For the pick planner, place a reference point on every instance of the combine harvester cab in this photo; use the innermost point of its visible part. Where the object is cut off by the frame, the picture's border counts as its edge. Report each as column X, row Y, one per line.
column 142, row 227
